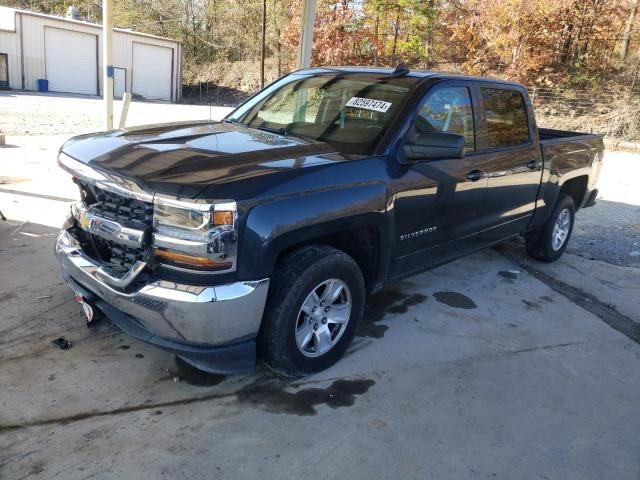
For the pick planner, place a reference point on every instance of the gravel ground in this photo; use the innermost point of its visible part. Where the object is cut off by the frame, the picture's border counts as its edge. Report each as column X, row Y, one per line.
column 29, row 113
column 610, row 231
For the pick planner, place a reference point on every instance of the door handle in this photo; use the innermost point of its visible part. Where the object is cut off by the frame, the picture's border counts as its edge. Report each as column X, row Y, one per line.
column 533, row 165
column 475, row 175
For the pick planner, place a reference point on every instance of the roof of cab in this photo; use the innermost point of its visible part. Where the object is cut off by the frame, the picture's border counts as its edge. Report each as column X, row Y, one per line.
column 412, row 73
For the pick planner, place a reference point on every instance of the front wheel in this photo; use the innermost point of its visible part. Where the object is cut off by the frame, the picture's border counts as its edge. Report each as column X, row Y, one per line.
column 315, row 304
column 552, row 240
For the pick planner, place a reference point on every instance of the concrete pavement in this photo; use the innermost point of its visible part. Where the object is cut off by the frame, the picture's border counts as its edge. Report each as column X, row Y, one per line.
column 474, row 370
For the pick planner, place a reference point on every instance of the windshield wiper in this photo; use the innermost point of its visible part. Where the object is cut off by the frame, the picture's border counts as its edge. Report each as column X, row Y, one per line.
column 280, row 131
column 233, row 121
column 286, row 133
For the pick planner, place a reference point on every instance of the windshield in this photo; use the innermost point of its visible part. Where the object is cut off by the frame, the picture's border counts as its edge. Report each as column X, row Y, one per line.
column 350, row 111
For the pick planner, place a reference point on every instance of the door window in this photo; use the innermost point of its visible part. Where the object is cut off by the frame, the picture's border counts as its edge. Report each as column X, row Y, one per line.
column 4, row 70
column 507, row 123
column 448, row 110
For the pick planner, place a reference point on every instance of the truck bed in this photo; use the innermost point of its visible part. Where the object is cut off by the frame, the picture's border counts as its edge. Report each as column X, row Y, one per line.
column 573, row 155
column 550, row 135
column 561, row 144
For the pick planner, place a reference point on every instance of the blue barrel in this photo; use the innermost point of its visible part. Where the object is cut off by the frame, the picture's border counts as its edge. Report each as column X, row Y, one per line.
column 43, row 85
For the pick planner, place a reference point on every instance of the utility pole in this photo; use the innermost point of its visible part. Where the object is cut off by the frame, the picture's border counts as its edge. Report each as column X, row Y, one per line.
column 107, row 61
column 306, row 33
column 263, row 42
column 375, row 40
column 628, row 29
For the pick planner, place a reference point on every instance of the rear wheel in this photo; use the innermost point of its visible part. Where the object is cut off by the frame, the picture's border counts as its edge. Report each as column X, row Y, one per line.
column 552, row 240
column 315, row 304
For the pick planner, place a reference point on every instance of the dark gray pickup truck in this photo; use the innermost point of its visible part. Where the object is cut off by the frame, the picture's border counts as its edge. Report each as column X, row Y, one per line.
column 263, row 233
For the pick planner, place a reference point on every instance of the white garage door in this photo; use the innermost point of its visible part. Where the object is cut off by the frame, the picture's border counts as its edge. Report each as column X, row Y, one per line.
column 152, row 71
column 71, row 61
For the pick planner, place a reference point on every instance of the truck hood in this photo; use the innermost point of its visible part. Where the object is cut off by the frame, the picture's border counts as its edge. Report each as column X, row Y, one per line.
column 185, row 159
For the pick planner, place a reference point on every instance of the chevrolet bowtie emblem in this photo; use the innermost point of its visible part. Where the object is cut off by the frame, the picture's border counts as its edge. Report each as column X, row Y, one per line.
column 83, row 220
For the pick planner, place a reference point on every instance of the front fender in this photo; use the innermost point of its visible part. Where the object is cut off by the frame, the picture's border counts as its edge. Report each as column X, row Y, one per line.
column 275, row 226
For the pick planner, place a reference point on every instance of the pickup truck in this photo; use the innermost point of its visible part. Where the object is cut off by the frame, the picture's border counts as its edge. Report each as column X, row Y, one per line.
column 262, row 234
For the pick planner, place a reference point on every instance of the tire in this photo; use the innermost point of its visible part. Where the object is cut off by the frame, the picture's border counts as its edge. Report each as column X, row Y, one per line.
column 285, row 324
column 546, row 246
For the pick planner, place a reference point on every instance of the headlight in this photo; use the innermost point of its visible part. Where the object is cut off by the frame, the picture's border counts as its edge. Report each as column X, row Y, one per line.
column 195, row 235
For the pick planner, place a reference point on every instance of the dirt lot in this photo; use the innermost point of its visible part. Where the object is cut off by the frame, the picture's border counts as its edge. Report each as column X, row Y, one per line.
column 23, row 113
column 493, row 366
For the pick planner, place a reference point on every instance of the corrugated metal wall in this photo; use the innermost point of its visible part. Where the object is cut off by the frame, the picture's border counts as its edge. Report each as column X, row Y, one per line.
column 34, row 50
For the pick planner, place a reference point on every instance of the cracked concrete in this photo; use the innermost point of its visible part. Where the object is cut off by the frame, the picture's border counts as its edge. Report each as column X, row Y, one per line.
column 606, row 311
column 444, row 392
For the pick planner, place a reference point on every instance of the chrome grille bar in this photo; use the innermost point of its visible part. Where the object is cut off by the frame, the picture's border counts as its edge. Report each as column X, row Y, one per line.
column 105, row 228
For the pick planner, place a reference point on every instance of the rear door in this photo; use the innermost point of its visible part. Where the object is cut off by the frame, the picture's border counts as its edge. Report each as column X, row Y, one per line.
column 506, row 135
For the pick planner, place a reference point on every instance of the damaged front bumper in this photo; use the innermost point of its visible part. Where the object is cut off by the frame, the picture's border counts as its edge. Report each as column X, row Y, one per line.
column 211, row 327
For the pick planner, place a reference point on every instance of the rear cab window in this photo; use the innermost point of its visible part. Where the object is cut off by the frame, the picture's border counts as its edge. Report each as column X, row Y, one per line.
column 507, row 123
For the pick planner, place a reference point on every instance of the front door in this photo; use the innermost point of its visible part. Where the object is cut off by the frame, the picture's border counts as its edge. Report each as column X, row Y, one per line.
column 438, row 203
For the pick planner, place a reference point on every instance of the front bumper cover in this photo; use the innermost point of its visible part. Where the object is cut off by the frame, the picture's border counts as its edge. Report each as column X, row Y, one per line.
column 211, row 327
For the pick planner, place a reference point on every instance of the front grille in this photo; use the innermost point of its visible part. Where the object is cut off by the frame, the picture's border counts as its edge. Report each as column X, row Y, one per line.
column 120, row 258
column 126, row 211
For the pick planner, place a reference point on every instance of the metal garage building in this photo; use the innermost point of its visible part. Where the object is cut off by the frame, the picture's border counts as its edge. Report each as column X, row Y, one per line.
column 68, row 54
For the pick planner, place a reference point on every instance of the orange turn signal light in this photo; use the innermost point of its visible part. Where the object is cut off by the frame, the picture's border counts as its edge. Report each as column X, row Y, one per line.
column 223, row 217
column 190, row 260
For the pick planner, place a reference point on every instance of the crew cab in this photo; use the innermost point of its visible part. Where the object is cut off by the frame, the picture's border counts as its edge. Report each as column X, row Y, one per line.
column 262, row 234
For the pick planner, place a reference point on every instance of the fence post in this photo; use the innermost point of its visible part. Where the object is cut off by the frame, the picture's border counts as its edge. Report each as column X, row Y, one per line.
column 533, row 95
column 126, row 99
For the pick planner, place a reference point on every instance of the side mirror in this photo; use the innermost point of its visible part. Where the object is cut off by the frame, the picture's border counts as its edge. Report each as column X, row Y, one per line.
column 435, row 146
